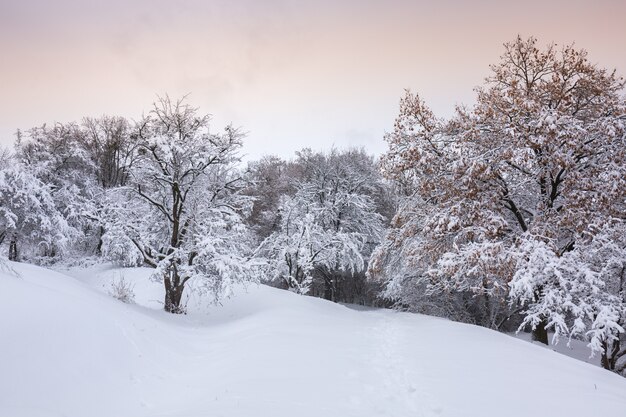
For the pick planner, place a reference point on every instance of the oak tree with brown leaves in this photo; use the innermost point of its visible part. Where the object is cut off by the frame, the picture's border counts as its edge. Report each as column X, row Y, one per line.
column 519, row 199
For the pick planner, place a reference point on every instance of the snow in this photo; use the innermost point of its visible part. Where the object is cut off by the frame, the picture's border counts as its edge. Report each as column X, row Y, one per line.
column 574, row 348
column 69, row 349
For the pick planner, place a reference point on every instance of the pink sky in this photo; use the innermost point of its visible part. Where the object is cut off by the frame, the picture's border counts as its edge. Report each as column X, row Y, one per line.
column 292, row 73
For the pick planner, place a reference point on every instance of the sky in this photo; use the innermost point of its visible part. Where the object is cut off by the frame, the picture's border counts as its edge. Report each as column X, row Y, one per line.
column 292, row 74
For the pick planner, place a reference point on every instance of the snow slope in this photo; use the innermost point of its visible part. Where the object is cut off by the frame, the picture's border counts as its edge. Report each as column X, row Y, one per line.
column 69, row 349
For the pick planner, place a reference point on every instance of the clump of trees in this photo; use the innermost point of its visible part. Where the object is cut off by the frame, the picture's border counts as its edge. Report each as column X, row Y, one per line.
column 511, row 214
column 163, row 192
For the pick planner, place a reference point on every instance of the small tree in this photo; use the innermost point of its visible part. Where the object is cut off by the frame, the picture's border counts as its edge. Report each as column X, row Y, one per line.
column 183, row 210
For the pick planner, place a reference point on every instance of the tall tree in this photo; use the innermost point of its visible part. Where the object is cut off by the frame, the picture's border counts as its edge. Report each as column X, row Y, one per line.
column 183, row 208
column 512, row 194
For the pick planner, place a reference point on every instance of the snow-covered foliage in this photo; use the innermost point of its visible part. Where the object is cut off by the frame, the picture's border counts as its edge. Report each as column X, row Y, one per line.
column 182, row 212
column 518, row 199
column 53, row 155
column 326, row 225
column 269, row 179
column 80, row 162
column 29, row 217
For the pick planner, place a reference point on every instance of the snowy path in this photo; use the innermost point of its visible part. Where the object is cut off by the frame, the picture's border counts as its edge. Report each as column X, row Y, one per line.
column 70, row 350
column 396, row 373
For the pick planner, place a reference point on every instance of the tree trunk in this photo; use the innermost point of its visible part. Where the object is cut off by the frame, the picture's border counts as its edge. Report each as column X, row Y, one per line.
column 610, row 355
column 540, row 333
column 174, row 287
column 13, row 254
column 100, row 242
column 330, row 292
column 173, row 296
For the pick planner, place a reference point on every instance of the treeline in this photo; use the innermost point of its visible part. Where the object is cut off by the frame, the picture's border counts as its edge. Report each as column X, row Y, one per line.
column 511, row 214
column 165, row 193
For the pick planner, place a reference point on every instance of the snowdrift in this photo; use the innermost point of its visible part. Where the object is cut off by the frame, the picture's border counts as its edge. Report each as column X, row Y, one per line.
column 69, row 349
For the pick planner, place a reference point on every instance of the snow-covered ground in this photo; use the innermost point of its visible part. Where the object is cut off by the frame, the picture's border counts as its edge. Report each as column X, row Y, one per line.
column 69, row 349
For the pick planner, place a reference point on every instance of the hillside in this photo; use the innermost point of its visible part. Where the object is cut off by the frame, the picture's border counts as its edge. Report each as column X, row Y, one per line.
column 69, row 349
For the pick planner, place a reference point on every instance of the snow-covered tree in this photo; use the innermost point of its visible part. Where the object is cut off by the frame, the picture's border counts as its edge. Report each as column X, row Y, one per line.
column 111, row 146
column 28, row 214
column 582, row 288
column 182, row 211
column 268, row 179
column 326, row 226
column 80, row 161
column 55, row 156
column 509, row 195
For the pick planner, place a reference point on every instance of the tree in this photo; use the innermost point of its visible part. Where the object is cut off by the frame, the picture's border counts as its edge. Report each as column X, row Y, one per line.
column 183, row 209
column 28, row 214
column 111, row 146
column 54, row 155
column 268, row 180
column 511, row 193
column 326, row 226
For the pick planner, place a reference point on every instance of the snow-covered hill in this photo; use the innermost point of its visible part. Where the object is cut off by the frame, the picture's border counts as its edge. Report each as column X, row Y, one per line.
column 69, row 349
